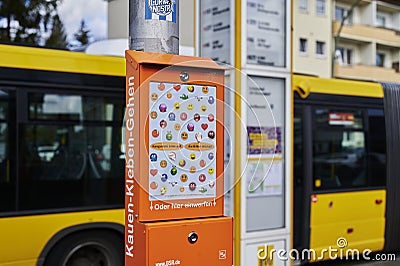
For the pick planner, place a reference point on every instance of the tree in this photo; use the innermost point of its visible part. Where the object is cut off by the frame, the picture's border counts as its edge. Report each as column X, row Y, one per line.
column 58, row 37
column 27, row 21
column 83, row 34
column 337, row 35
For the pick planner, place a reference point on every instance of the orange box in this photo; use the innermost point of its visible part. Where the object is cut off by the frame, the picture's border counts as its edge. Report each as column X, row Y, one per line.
column 174, row 137
column 194, row 242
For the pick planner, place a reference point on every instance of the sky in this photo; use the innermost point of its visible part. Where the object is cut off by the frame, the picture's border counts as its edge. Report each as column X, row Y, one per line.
column 94, row 12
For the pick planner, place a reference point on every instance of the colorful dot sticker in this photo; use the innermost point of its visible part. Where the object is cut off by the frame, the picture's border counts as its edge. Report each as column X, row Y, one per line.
column 190, row 127
column 192, row 186
column 183, row 116
column 184, row 178
column 163, row 163
column 163, row 124
column 196, row 117
column 155, row 133
column 190, row 88
column 182, row 163
column 161, row 86
column 171, row 117
column 163, row 108
column 153, row 157
column 202, row 177
column 153, row 115
column 154, row 97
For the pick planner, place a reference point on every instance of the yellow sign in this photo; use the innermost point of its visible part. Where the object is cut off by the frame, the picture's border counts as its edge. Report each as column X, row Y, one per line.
column 261, row 141
column 199, row 146
column 163, row 146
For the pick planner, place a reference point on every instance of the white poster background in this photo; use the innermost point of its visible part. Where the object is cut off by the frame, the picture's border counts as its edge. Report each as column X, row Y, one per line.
column 264, row 178
column 172, row 187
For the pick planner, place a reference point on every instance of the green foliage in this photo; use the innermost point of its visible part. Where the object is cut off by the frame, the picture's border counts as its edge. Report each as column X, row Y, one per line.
column 58, row 37
column 28, row 21
column 83, row 34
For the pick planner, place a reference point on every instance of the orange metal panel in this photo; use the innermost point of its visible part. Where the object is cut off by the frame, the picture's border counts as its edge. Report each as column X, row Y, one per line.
column 167, row 243
column 175, row 161
column 144, row 207
column 146, row 58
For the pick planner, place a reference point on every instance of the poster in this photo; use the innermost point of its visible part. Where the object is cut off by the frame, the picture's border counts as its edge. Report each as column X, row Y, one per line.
column 182, row 141
column 264, row 140
column 264, row 178
column 266, row 32
column 215, row 30
column 265, row 117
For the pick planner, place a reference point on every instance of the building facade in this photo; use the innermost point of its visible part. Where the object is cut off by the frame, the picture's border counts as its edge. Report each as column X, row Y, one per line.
column 347, row 39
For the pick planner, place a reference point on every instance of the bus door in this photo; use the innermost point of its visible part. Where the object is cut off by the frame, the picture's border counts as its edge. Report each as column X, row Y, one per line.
column 339, row 179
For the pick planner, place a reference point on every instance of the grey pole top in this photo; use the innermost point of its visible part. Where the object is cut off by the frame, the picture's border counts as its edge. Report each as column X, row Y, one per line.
column 154, row 26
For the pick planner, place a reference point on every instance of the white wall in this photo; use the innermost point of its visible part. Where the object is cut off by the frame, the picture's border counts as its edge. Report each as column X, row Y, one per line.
column 367, row 14
column 367, row 54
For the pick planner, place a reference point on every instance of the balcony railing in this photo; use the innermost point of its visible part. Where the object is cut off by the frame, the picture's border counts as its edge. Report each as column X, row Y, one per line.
column 364, row 72
column 368, row 34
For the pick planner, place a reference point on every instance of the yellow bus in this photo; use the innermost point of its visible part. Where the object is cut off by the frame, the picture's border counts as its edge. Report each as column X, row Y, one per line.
column 61, row 163
column 346, row 170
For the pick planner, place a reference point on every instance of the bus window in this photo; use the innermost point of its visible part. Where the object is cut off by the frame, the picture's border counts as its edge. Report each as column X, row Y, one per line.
column 71, row 152
column 339, row 150
column 298, row 147
column 298, row 175
column 377, row 147
column 7, row 179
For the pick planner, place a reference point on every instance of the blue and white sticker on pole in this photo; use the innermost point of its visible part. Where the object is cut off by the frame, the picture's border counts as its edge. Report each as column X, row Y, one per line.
column 161, row 10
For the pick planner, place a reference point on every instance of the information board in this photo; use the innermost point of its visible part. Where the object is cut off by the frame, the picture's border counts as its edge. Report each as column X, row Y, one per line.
column 215, row 30
column 266, row 40
column 265, row 153
column 265, row 122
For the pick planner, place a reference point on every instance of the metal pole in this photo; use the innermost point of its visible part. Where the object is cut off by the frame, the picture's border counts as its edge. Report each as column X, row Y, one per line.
column 154, row 26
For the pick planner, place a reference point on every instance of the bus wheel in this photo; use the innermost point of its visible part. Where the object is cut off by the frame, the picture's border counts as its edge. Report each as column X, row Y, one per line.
column 98, row 248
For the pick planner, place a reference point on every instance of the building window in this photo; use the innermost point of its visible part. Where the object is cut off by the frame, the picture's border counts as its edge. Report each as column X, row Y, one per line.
column 341, row 13
column 320, row 49
column 380, row 21
column 344, row 56
column 303, row 6
column 380, row 59
column 303, row 46
column 320, row 8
